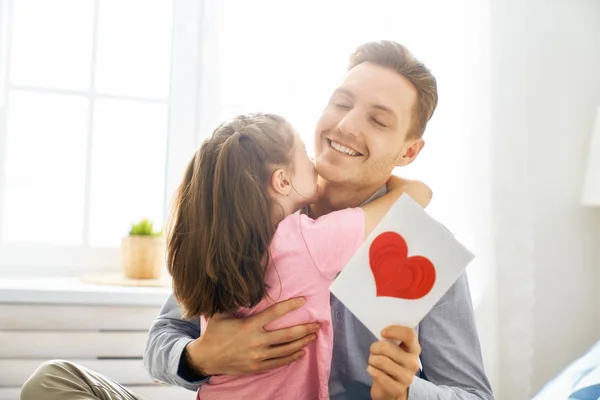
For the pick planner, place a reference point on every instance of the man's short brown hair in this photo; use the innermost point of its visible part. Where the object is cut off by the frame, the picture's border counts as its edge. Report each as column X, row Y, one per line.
column 397, row 57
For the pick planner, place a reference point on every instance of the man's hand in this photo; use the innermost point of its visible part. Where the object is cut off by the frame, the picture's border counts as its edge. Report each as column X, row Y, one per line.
column 393, row 367
column 238, row 346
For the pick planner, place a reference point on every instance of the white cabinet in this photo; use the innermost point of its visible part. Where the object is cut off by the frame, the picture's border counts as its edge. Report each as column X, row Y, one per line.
column 99, row 330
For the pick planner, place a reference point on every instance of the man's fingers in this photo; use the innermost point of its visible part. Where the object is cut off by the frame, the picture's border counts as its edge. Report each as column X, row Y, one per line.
column 279, row 362
column 287, row 335
column 277, row 356
column 287, row 349
column 392, row 369
column 277, row 310
column 386, row 365
column 386, row 384
column 407, row 336
column 396, row 354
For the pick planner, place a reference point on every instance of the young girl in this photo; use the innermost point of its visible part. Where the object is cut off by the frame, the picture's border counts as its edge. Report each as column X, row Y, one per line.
column 237, row 245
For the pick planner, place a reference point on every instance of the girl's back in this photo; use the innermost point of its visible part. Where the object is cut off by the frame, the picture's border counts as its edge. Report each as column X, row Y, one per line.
column 306, row 257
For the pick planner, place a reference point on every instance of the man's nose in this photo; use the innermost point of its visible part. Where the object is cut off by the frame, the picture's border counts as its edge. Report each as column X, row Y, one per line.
column 349, row 124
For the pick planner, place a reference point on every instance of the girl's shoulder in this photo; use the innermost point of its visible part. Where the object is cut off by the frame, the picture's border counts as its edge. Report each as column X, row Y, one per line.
column 299, row 221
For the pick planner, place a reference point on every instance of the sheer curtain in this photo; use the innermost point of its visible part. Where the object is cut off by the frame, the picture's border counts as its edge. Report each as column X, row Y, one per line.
column 286, row 58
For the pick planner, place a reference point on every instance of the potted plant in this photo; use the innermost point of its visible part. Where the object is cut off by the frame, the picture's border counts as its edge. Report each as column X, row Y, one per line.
column 143, row 252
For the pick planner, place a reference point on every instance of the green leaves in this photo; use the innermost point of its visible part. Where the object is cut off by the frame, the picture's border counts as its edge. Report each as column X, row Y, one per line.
column 144, row 228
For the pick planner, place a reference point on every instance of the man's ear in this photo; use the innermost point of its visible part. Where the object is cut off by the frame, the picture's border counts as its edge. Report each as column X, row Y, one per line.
column 410, row 153
column 280, row 182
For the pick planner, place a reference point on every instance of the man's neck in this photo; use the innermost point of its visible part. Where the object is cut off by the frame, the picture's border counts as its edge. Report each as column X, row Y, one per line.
column 334, row 197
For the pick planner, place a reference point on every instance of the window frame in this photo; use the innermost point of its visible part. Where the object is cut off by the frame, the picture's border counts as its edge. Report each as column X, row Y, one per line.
column 183, row 120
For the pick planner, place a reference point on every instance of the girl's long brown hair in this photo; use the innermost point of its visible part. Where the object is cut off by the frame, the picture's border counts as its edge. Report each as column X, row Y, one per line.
column 221, row 221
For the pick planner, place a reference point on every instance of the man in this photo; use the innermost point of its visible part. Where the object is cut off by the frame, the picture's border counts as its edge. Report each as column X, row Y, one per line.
column 373, row 122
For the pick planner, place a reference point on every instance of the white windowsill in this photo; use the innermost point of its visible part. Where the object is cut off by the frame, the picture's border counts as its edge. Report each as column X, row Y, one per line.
column 72, row 291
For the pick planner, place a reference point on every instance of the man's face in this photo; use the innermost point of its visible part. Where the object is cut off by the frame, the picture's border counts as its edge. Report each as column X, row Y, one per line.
column 362, row 134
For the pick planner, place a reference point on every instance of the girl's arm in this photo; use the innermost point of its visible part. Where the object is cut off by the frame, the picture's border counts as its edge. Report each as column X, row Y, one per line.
column 377, row 209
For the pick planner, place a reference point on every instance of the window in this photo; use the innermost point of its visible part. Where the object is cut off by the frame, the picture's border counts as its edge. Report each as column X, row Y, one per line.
column 101, row 107
column 97, row 119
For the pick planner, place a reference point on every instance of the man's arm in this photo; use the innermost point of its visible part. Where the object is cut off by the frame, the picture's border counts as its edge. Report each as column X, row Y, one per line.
column 451, row 354
column 168, row 337
column 230, row 346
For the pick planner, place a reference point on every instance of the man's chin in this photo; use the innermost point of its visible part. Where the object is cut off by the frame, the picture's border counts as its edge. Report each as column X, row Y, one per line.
column 334, row 174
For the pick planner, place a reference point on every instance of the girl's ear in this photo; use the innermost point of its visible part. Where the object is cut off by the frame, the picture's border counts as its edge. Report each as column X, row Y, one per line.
column 280, row 182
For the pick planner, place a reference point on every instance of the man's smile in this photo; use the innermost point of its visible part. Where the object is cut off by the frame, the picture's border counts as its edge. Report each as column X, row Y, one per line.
column 340, row 148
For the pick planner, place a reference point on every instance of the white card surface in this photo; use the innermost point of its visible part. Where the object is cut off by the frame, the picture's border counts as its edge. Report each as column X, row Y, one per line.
column 424, row 237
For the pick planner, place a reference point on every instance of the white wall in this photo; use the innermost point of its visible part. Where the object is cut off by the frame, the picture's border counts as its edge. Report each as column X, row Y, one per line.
column 545, row 89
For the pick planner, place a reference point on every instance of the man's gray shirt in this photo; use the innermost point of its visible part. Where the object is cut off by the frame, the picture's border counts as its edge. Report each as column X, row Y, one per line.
column 452, row 366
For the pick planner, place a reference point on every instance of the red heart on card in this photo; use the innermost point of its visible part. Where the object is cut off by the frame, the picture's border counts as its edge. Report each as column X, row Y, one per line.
column 396, row 274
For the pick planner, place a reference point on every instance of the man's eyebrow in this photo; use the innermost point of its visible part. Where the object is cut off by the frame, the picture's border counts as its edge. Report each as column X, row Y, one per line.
column 381, row 107
column 385, row 109
column 341, row 90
